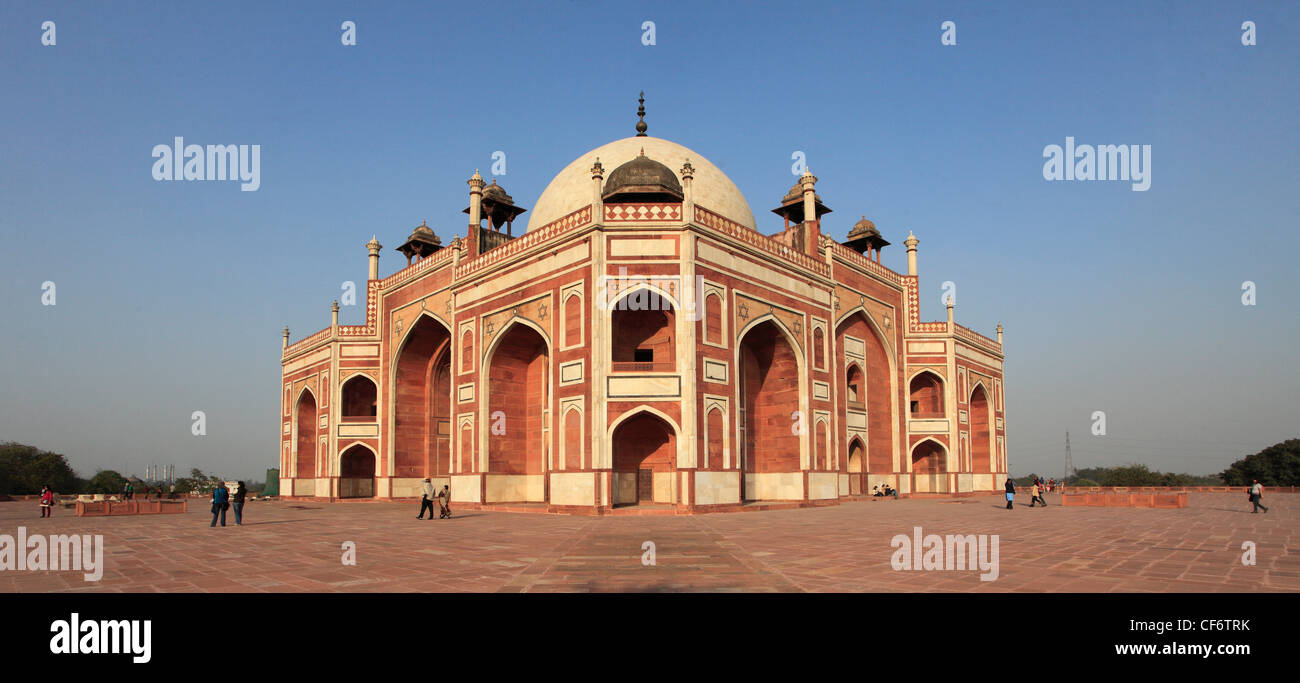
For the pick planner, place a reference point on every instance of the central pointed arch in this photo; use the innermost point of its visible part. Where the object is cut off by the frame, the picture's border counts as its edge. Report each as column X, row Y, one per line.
column 516, row 375
column 304, row 425
column 773, row 434
column 643, row 330
column 357, row 471
column 644, row 445
column 871, row 411
column 981, row 433
column 929, row 466
column 420, row 411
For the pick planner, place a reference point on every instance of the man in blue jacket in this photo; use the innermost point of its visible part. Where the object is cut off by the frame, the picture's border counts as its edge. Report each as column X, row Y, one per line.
column 220, row 501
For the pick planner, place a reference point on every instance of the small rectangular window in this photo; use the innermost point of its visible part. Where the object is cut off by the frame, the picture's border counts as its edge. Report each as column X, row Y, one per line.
column 643, row 356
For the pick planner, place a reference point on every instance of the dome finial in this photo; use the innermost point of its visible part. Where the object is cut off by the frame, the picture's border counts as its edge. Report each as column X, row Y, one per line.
column 640, row 113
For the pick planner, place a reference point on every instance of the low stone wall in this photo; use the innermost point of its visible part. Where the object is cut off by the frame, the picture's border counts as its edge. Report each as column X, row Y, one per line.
column 106, row 508
column 1128, row 500
column 1166, row 489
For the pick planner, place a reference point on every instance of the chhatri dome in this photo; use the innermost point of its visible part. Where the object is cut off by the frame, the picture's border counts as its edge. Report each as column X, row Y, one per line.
column 570, row 189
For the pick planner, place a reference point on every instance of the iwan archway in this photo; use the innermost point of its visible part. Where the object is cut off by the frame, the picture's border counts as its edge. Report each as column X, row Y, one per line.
column 357, row 472
column 644, row 444
column 516, row 374
column 774, row 409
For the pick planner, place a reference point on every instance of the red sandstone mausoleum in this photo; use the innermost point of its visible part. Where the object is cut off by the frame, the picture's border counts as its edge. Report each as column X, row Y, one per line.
column 642, row 343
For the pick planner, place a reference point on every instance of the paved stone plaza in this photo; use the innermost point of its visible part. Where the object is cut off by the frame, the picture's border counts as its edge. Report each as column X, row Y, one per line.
column 292, row 547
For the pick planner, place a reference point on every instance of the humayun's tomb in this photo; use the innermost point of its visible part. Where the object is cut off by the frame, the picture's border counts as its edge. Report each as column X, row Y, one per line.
column 642, row 343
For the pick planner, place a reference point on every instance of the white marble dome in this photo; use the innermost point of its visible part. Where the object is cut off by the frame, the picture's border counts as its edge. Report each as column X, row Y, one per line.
column 571, row 189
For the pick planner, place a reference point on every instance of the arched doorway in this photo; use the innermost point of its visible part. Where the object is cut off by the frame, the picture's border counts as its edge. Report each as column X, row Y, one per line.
column 855, row 466
column 645, row 460
column 769, row 389
column 867, row 396
column 518, row 395
column 357, row 473
column 422, row 402
column 305, row 423
column 929, row 467
column 981, row 462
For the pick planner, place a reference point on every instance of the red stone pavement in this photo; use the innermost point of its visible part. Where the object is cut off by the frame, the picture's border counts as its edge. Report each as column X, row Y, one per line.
column 296, row 546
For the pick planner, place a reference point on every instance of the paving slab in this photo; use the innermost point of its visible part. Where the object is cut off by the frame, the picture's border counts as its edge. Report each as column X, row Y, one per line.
column 296, row 547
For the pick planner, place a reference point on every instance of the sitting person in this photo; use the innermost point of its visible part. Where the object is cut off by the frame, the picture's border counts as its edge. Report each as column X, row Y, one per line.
column 876, row 493
column 891, row 491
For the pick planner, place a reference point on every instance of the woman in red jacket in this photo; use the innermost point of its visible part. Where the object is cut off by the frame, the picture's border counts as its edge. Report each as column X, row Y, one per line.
column 47, row 502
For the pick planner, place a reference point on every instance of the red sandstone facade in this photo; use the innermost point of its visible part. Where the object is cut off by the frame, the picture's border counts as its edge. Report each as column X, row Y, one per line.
column 642, row 344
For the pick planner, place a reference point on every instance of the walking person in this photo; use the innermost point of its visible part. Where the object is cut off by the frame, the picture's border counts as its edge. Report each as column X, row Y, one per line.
column 220, row 501
column 1257, row 494
column 238, row 501
column 1011, row 492
column 47, row 502
column 1036, row 494
column 444, row 502
column 426, row 499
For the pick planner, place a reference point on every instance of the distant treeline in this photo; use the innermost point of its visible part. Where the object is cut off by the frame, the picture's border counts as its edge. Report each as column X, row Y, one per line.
column 1277, row 465
column 24, row 470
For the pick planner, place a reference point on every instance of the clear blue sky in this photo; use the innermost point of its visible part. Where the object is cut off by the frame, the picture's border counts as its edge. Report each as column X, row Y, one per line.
column 171, row 296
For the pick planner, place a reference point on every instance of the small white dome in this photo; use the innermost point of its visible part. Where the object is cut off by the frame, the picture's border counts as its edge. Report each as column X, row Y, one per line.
column 571, row 189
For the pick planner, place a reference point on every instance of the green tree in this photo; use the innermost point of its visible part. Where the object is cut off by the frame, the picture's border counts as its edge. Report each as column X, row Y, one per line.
column 26, row 469
column 1277, row 465
column 106, row 481
column 1129, row 475
column 197, row 482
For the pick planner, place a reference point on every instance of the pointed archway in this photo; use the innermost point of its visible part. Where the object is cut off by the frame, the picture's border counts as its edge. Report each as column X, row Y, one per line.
column 359, row 399
column 855, row 466
column 980, row 433
column 518, row 371
column 645, row 460
column 357, row 472
column 642, row 328
column 929, row 467
column 770, row 369
column 422, row 402
column 305, row 445
column 867, row 397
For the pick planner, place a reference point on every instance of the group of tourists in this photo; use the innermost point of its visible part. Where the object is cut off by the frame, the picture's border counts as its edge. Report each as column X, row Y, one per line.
column 428, row 496
column 1035, row 492
column 881, row 492
column 223, row 499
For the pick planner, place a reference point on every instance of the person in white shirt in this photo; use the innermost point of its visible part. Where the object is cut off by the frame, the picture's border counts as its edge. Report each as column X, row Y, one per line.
column 426, row 500
column 1257, row 493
